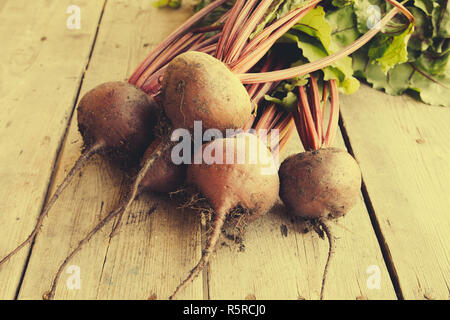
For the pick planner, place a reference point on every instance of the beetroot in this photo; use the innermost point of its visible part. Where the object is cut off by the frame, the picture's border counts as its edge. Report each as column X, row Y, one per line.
column 324, row 182
column 320, row 184
column 115, row 119
column 165, row 176
column 191, row 92
column 118, row 119
column 251, row 185
column 198, row 87
column 181, row 94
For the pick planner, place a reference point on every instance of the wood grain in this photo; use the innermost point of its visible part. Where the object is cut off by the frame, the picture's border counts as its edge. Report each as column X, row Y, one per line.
column 41, row 66
column 400, row 144
column 146, row 257
column 280, row 261
column 403, row 149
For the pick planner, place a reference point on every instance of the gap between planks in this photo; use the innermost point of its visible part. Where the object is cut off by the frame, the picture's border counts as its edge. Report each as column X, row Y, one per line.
column 384, row 247
column 56, row 161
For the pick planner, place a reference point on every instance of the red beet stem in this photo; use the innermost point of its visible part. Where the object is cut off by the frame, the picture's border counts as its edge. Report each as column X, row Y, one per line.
column 247, row 61
column 248, row 78
column 287, row 130
column 175, row 49
column 300, row 125
column 247, row 29
column 316, row 107
column 234, row 13
column 324, row 102
column 311, row 130
column 334, row 114
column 237, row 27
column 173, row 36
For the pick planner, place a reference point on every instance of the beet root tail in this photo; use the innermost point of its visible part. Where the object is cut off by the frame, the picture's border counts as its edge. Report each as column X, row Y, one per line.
column 331, row 252
column 161, row 147
column 79, row 164
column 209, row 248
column 49, row 295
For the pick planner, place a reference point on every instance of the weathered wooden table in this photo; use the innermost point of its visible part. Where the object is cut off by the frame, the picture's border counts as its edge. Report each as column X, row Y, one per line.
column 393, row 244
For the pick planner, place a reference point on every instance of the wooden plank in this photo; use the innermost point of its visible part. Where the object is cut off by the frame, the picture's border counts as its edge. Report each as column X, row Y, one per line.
column 150, row 257
column 403, row 149
column 41, row 66
column 146, row 257
column 274, row 266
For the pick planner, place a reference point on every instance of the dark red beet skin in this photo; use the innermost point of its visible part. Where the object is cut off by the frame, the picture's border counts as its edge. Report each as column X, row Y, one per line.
column 198, row 87
column 323, row 183
column 164, row 176
column 120, row 117
column 115, row 119
column 252, row 184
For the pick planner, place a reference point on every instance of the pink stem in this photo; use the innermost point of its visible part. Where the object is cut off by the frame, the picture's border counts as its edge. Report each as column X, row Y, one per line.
column 173, row 36
column 153, row 84
column 207, row 29
column 175, row 49
column 253, row 88
column 299, row 124
column 274, row 26
column 288, row 130
column 334, row 114
column 228, row 27
column 324, row 103
column 210, row 41
column 246, row 62
column 249, row 123
column 275, row 120
column 310, row 126
column 266, row 118
column 243, row 16
column 280, row 75
column 247, row 30
column 316, row 108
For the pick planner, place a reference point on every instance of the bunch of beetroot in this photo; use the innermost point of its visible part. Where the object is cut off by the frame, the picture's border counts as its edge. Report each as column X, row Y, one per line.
column 195, row 76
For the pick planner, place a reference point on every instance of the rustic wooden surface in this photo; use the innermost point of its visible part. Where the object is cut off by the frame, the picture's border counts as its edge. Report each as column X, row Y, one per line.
column 400, row 227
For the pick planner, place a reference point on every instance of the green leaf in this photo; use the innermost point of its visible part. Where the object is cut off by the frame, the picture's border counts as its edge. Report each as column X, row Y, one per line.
column 423, row 32
column 404, row 77
column 315, row 25
column 175, row 4
column 343, row 22
column 368, row 13
column 289, row 102
column 394, row 83
column 289, row 5
column 426, row 5
column 350, row 85
column 342, row 3
column 435, row 91
column 313, row 36
column 389, row 51
column 269, row 16
column 433, row 64
column 441, row 19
